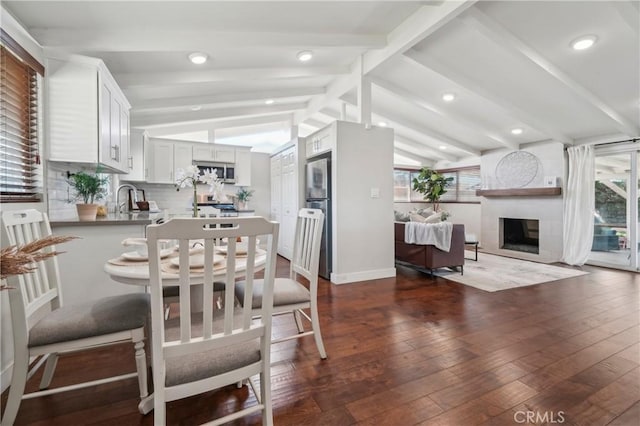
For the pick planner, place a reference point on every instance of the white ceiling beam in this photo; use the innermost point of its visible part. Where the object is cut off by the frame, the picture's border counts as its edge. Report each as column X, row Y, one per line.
column 416, row 100
column 477, row 88
column 504, row 38
column 187, row 101
column 629, row 11
column 419, row 148
column 207, row 115
column 433, row 134
column 170, row 129
column 424, row 22
column 407, row 143
column 420, row 25
column 173, row 40
column 315, row 123
column 422, row 160
column 141, row 79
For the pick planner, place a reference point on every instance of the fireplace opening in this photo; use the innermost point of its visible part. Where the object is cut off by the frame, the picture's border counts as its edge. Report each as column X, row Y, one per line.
column 520, row 235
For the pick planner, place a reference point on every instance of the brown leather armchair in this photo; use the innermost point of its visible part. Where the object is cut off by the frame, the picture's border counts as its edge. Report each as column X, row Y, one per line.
column 428, row 256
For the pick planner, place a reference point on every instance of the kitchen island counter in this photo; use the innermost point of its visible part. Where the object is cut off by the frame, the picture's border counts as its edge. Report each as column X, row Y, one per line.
column 142, row 218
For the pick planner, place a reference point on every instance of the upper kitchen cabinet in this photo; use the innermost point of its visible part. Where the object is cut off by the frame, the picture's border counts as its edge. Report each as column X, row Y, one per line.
column 212, row 152
column 243, row 167
column 163, row 158
column 320, row 142
column 137, row 140
column 87, row 114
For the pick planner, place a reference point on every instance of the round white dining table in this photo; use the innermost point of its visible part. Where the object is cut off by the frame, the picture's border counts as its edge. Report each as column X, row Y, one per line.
column 137, row 273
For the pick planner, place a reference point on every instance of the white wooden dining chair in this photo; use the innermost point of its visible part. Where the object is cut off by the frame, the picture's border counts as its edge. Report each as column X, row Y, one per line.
column 43, row 327
column 206, row 350
column 289, row 295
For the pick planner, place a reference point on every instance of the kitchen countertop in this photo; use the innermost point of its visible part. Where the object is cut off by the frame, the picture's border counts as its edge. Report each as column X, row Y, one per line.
column 137, row 218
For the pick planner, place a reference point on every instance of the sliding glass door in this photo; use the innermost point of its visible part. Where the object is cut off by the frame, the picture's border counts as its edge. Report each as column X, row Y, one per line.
column 615, row 236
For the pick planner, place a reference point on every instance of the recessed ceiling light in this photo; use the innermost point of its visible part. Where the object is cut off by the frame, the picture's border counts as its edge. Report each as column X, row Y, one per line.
column 382, row 123
column 442, row 147
column 269, row 101
column 448, row 97
column 196, row 108
column 517, row 131
column 305, row 56
column 198, row 58
column 584, row 42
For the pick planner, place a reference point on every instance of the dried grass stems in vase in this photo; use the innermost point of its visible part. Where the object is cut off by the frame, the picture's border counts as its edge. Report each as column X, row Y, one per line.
column 18, row 260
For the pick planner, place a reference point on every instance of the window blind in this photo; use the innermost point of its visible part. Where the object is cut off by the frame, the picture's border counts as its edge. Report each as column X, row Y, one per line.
column 20, row 169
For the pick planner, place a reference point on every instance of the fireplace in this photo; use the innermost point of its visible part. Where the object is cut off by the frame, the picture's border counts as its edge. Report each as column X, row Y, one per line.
column 520, row 235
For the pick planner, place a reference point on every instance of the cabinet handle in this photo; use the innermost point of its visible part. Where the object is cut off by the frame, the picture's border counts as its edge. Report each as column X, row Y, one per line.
column 131, row 163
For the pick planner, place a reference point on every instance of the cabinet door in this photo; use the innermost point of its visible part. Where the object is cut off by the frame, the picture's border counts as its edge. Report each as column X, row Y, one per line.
column 203, row 152
column 320, row 142
column 182, row 156
column 126, row 162
column 160, row 167
column 276, row 188
column 106, row 128
column 136, row 156
column 289, row 201
column 224, row 154
column 243, row 167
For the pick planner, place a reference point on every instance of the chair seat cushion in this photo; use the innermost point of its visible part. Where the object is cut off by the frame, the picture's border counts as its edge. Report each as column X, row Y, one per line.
column 191, row 367
column 97, row 318
column 285, row 292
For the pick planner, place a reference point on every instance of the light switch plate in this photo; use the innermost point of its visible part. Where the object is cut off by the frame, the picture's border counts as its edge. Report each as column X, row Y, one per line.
column 375, row 192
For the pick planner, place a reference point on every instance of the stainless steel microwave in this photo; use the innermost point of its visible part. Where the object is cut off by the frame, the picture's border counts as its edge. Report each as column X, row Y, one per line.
column 225, row 171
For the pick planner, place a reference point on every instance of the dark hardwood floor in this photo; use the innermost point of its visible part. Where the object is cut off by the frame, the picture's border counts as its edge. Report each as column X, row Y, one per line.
column 417, row 350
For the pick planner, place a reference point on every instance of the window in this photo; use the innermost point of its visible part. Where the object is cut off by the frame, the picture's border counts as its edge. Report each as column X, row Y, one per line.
column 462, row 189
column 20, row 169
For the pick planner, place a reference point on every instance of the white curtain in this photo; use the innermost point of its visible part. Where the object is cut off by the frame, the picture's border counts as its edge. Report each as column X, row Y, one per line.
column 579, row 205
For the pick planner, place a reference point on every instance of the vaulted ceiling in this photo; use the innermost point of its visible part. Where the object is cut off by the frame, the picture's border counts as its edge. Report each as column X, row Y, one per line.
column 509, row 65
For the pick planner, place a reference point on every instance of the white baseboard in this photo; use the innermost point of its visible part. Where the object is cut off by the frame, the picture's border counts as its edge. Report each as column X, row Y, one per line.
column 352, row 277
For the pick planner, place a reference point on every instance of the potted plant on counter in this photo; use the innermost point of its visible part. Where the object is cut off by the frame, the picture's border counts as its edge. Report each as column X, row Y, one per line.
column 243, row 195
column 88, row 187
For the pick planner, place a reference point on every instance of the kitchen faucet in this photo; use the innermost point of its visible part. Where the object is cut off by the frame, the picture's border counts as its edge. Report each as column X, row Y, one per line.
column 125, row 185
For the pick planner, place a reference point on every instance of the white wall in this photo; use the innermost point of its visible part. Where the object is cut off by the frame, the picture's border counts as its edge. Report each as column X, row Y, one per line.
column 362, row 161
column 19, row 34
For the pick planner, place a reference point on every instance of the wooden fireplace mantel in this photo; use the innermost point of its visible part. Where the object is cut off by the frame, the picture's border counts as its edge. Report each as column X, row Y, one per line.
column 519, row 192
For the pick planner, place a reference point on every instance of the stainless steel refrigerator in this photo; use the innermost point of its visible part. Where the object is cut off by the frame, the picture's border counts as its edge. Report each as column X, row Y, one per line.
column 318, row 196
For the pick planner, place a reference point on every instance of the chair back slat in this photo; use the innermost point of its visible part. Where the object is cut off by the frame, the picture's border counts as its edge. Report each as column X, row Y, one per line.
column 33, row 294
column 306, row 248
column 208, row 327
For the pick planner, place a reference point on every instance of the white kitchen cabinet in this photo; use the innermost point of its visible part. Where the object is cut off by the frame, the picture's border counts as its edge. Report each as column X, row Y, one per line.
column 243, row 167
column 163, row 158
column 87, row 117
column 320, row 142
column 137, row 138
column 285, row 195
column 212, row 152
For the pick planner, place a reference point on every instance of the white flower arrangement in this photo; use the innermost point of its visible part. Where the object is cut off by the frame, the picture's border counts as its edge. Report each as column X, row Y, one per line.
column 189, row 178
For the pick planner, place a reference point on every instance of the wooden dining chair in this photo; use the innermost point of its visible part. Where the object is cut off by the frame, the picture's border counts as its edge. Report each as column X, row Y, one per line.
column 43, row 327
column 289, row 295
column 211, row 348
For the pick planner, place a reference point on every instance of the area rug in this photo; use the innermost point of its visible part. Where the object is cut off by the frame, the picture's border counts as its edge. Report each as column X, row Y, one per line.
column 495, row 273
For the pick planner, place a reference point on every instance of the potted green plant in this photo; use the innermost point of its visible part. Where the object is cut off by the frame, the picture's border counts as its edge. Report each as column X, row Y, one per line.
column 243, row 195
column 88, row 188
column 432, row 185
